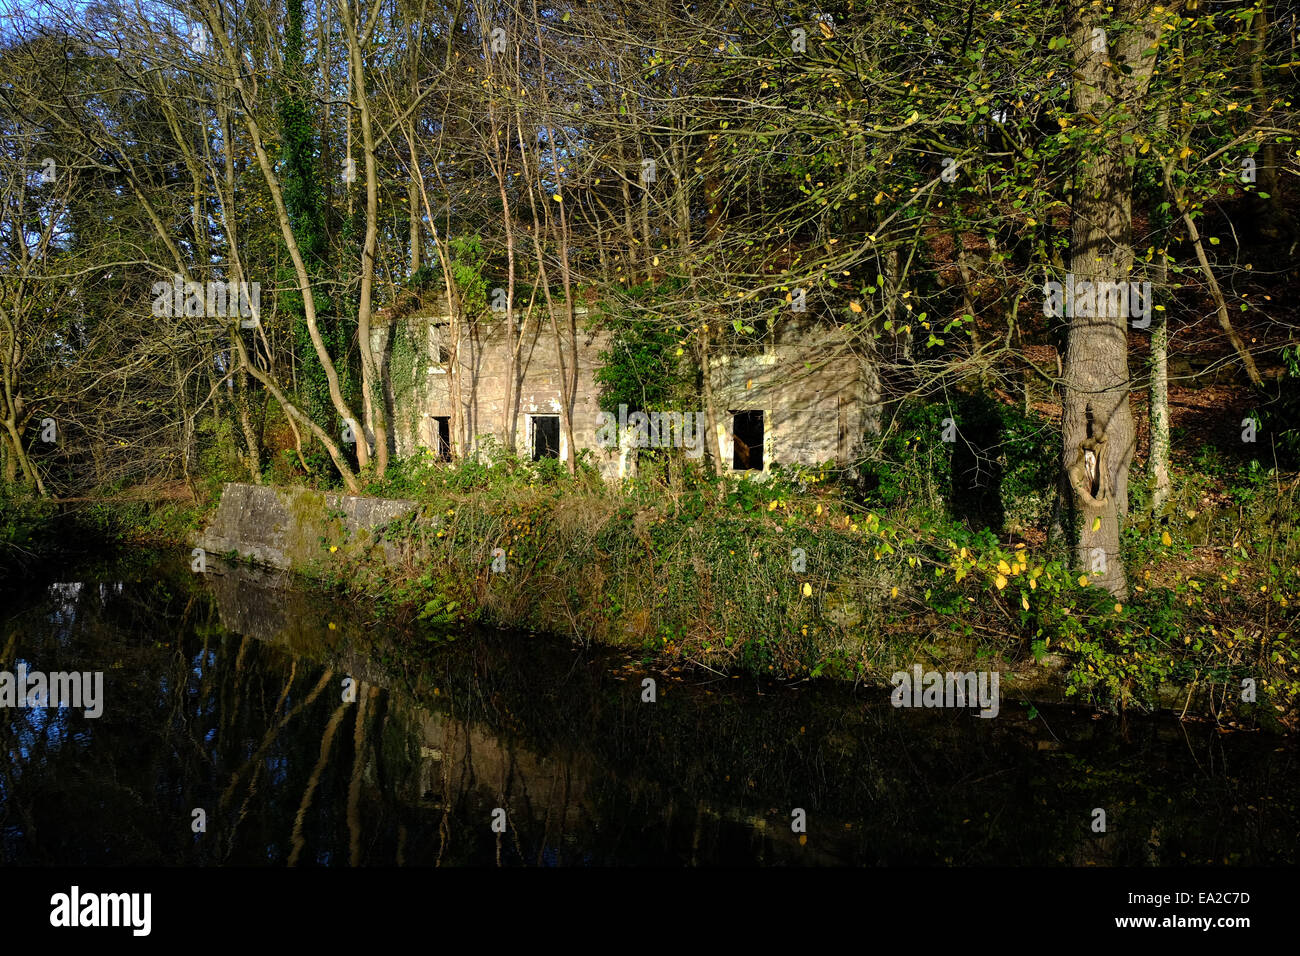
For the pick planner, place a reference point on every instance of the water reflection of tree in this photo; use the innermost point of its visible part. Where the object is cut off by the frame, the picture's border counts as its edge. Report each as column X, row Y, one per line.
column 253, row 729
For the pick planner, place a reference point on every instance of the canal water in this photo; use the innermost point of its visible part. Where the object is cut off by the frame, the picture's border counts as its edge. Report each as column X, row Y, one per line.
column 248, row 721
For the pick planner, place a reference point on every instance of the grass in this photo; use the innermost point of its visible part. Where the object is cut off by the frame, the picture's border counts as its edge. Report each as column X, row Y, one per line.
column 803, row 576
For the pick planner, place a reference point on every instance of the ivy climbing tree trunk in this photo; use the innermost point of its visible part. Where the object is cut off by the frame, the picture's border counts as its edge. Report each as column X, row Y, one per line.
column 236, row 74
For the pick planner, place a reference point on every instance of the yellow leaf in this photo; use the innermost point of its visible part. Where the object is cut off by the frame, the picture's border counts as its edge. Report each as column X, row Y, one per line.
column 807, row 590
column 855, row 307
column 557, row 198
column 1165, row 539
column 1096, row 523
column 1024, row 601
column 893, row 592
column 1004, row 567
column 1000, row 581
column 1083, row 580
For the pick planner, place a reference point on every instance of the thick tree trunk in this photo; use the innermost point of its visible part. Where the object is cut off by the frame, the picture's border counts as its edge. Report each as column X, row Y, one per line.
column 1097, row 427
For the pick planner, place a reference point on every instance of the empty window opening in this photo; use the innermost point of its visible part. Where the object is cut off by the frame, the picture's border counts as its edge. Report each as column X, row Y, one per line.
column 442, row 425
column 747, row 427
column 546, row 436
column 439, row 348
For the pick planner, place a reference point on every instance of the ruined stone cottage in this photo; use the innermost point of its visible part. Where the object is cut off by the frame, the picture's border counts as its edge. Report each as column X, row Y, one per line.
column 795, row 391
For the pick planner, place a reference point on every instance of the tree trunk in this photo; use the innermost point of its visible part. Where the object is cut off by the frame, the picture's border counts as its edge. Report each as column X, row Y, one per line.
column 1097, row 426
column 374, row 403
column 1158, row 409
column 413, row 208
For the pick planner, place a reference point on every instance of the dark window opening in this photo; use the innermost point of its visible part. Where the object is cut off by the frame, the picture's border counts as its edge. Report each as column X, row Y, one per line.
column 546, row 437
column 747, row 427
column 440, row 344
column 443, row 423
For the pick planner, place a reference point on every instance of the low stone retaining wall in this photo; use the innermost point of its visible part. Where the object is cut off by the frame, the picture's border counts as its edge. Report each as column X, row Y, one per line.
column 291, row 528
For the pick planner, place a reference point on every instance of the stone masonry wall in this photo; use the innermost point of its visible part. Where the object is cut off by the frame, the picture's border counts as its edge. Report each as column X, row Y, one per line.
column 818, row 395
column 290, row 528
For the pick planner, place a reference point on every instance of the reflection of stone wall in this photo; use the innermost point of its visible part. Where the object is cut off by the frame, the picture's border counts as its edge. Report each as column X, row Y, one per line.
column 443, row 757
column 459, row 756
column 249, row 601
column 284, row 527
column 589, row 774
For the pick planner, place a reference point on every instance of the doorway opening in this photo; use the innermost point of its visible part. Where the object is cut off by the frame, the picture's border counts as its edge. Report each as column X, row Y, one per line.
column 747, row 453
column 442, row 427
column 545, row 437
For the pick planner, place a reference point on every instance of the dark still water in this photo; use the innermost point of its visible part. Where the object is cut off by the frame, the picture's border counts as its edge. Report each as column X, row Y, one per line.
column 225, row 694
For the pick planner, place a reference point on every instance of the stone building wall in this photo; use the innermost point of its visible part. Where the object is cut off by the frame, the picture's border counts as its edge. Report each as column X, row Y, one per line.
column 817, row 396
column 422, row 390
